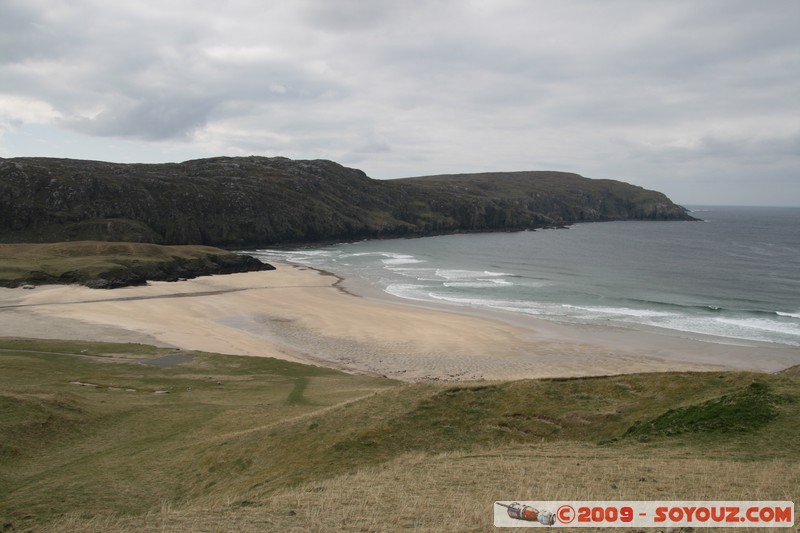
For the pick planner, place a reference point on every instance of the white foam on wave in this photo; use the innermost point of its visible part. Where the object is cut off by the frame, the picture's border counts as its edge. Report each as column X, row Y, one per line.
column 730, row 328
column 296, row 256
column 401, row 260
column 478, row 284
column 762, row 324
column 753, row 329
column 788, row 315
column 621, row 311
column 455, row 274
column 310, row 253
column 477, row 302
column 408, row 291
column 548, row 311
column 529, row 309
column 419, row 274
column 362, row 254
column 389, row 258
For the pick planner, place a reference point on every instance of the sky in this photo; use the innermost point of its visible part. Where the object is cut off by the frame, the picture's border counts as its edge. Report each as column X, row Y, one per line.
column 699, row 99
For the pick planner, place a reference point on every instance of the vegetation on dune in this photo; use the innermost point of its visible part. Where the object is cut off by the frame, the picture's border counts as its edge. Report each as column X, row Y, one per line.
column 236, row 202
column 109, row 265
column 600, row 410
column 93, row 436
column 743, row 410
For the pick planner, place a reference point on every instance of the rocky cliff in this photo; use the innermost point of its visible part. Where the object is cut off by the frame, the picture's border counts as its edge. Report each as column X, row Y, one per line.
column 248, row 201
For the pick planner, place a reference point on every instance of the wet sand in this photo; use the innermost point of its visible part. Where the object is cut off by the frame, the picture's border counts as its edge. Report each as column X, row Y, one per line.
column 300, row 314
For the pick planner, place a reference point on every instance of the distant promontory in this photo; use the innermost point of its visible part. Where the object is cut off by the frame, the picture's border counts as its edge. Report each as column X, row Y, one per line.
column 237, row 202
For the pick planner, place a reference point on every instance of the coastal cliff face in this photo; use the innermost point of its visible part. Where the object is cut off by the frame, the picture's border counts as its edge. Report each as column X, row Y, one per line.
column 247, row 201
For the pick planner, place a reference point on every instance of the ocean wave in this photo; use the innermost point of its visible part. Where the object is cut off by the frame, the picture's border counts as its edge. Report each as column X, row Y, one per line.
column 295, row 256
column 474, row 302
column 456, row 274
column 409, row 291
column 389, row 258
column 401, row 260
column 449, row 277
column 763, row 325
column 732, row 330
column 419, row 274
column 621, row 311
column 752, row 328
column 711, row 308
column 479, row 284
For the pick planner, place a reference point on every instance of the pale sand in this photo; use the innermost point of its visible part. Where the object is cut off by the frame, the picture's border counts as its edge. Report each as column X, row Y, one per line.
column 299, row 314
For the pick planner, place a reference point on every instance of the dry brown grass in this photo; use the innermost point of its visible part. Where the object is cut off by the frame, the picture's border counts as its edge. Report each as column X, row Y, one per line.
column 455, row 491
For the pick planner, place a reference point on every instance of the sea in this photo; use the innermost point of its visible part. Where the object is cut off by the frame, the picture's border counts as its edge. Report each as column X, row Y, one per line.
column 733, row 276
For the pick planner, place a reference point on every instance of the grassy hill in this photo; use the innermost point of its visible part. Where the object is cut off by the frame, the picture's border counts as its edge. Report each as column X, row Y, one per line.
column 109, row 437
column 109, row 265
column 250, row 201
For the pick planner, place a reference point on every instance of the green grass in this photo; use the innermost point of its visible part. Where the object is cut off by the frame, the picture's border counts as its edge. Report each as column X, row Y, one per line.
column 225, row 432
column 82, row 261
column 142, row 434
column 744, row 410
column 596, row 410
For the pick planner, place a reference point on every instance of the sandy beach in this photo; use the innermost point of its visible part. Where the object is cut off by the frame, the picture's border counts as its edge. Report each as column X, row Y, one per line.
column 300, row 314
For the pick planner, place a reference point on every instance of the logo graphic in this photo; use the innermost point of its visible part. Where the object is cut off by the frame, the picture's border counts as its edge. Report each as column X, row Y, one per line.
column 643, row 514
column 517, row 511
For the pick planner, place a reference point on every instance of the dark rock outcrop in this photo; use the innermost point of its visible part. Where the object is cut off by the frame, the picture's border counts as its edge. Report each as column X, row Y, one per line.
column 175, row 270
column 248, row 201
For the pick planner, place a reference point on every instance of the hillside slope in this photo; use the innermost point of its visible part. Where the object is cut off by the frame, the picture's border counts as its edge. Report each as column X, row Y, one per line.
column 128, row 437
column 234, row 202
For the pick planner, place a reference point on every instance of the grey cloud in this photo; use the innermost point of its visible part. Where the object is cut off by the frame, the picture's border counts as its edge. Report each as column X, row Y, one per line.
column 142, row 78
column 370, row 147
column 150, row 119
column 744, row 148
column 22, row 33
column 351, row 15
column 660, row 90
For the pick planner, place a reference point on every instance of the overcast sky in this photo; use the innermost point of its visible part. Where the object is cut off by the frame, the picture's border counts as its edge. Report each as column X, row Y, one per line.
column 699, row 99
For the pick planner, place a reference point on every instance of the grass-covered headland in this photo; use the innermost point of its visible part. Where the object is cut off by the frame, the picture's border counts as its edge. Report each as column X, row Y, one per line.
column 109, row 265
column 121, row 437
column 239, row 202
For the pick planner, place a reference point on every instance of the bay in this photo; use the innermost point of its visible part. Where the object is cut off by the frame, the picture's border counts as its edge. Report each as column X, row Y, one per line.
column 733, row 276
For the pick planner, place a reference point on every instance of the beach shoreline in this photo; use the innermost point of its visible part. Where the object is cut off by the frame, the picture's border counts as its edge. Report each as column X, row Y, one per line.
column 306, row 315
